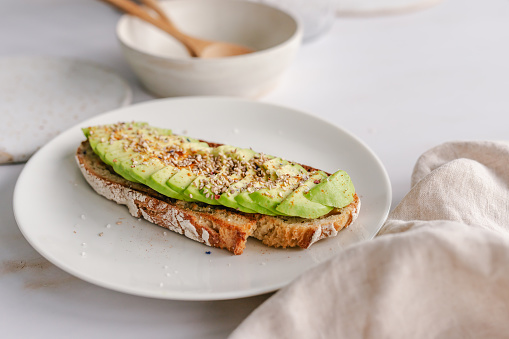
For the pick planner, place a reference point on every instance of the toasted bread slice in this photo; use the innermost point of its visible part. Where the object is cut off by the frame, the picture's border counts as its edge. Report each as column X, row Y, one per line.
column 212, row 225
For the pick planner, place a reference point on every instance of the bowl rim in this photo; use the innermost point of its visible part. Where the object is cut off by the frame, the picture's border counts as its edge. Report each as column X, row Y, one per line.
column 296, row 35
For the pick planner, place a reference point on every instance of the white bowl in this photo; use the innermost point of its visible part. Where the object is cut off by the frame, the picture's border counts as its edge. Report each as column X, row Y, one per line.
column 165, row 68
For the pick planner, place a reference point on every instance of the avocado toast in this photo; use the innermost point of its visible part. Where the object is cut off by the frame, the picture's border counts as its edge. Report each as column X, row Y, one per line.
column 215, row 194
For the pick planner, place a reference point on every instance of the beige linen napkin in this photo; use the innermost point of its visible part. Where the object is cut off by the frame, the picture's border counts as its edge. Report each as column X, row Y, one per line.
column 439, row 269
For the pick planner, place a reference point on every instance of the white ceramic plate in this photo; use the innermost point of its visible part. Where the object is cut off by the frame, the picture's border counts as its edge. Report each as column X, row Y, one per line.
column 98, row 241
column 43, row 96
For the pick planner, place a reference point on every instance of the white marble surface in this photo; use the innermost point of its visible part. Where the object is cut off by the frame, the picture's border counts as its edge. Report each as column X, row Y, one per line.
column 401, row 83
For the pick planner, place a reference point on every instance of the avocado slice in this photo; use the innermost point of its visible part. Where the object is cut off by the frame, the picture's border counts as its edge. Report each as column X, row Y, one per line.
column 95, row 135
column 101, row 134
column 181, row 180
column 138, row 167
column 229, row 201
column 245, row 200
column 336, row 190
column 240, row 154
column 143, row 171
column 205, row 194
column 113, row 154
column 157, row 181
column 117, row 160
column 101, row 148
column 296, row 204
column 271, row 198
column 223, row 149
column 163, row 131
column 123, row 165
column 228, row 198
column 243, row 155
column 272, row 165
column 193, row 191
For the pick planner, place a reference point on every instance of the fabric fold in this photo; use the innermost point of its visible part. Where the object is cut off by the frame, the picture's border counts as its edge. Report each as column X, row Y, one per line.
column 466, row 182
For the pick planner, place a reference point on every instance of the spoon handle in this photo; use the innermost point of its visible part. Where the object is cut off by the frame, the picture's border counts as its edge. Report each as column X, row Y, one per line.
column 154, row 5
column 135, row 10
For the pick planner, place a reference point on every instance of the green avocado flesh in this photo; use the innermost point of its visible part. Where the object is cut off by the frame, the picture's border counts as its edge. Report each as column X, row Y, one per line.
column 270, row 198
column 298, row 205
column 184, row 168
column 336, row 190
column 157, row 182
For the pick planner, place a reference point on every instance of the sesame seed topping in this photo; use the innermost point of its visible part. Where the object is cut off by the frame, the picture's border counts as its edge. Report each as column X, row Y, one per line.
column 218, row 168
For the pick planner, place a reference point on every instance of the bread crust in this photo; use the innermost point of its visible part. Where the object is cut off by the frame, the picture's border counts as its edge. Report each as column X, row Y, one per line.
column 215, row 226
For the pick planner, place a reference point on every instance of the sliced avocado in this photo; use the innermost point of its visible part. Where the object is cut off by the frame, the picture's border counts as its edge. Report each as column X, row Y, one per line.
column 204, row 195
column 163, row 131
column 336, row 190
column 143, row 171
column 137, row 125
column 99, row 134
column 228, row 198
column 181, row 180
column 187, row 139
column 297, row 205
column 113, row 155
column 129, row 164
column 140, row 167
column 101, row 149
column 290, row 169
column 86, row 131
column 236, row 206
column 196, row 146
column 223, row 149
column 272, row 165
column 96, row 136
column 245, row 200
column 271, row 198
column 123, row 165
column 157, row 181
column 243, row 154
column 110, row 152
column 142, row 153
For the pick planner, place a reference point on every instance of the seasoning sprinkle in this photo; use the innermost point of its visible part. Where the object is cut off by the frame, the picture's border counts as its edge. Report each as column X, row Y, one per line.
column 220, row 168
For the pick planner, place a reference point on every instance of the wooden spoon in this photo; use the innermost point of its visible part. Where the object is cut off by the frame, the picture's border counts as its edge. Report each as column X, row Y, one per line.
column 197, row 47
column 154, row 5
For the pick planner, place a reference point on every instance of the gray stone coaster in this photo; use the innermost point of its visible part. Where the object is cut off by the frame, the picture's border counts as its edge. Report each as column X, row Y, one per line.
column 43, row 96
